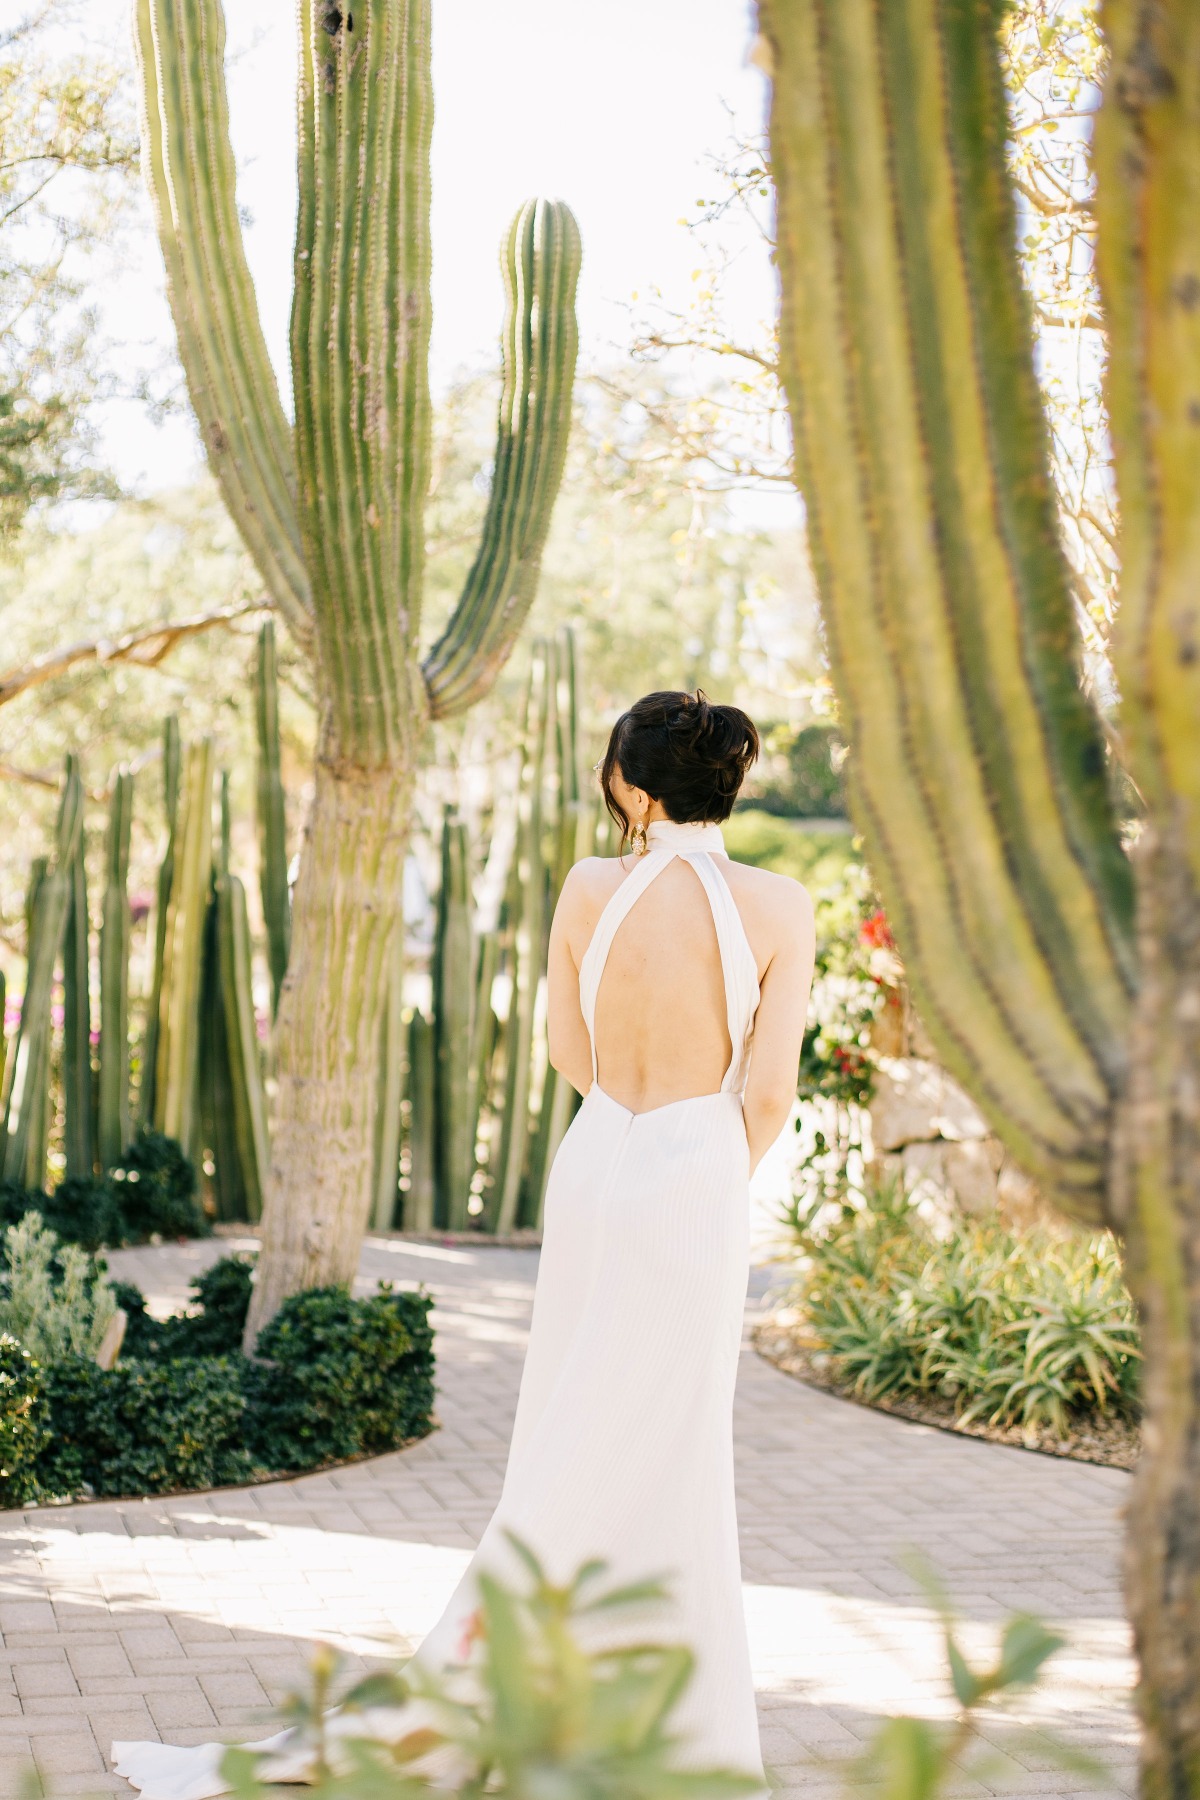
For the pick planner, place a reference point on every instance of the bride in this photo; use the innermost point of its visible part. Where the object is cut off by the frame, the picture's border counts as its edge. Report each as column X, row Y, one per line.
column 678, row 986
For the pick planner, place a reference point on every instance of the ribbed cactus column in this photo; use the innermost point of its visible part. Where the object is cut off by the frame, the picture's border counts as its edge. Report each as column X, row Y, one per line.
column 333, row 513
column 977, row 769
column 114, row 1126
column 1148, row 210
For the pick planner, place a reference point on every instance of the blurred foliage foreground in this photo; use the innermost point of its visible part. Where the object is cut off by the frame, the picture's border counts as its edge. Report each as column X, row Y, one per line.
column 537, row 1711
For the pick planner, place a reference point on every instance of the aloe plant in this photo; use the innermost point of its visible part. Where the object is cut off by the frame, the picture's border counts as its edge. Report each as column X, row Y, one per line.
column 331, row 509
column 977, row 767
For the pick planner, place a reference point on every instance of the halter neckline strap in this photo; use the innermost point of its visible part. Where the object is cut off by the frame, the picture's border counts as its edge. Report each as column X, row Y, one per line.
column 686, row 838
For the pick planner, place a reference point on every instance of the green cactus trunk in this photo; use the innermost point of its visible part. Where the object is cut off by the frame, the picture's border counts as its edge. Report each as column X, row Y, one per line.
column 977, row 769
column 179, row 1002
column 456, row 1030
column 347, row 909
column 392, row 1057
column 241, row 1027
column 272, row 815
column 79, row 1100
column 218, row 1133
column 26, row 1089
column 419, row 1200
column 332, row 512
column 172, row 754
column 113, row 1126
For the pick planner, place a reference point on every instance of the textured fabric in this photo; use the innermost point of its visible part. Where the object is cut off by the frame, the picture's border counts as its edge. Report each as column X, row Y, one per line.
column 622, row 1446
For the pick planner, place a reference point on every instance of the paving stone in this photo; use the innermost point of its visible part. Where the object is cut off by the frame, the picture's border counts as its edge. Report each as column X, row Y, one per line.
column 188, row 1617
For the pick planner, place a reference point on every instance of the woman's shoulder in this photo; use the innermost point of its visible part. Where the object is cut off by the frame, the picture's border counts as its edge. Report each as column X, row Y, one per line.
column 777, row 900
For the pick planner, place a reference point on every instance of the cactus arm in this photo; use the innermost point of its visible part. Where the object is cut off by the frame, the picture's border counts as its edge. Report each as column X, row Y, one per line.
column 172, row 758
column 243, row 1059
column 175, row 1076
column 977, row 771
column 1148, row 209
column 540, row 260
column 190, row 172
column 360, row 335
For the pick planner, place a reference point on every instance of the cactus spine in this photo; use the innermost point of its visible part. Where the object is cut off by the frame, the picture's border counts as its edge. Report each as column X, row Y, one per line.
column 79, row 1137
column 333, row 514
column 113, row 1131
column 978, row 770
column 26, row 1090
column 272, row 815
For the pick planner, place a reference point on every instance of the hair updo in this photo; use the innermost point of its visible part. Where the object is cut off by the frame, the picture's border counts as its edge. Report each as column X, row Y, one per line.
column 682, row 750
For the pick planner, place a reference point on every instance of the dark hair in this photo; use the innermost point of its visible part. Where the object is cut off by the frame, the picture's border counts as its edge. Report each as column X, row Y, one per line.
column 682, row 750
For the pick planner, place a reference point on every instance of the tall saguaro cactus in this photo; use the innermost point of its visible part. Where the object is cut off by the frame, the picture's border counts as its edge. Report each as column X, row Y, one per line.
column 977, row 769
column 332, row 510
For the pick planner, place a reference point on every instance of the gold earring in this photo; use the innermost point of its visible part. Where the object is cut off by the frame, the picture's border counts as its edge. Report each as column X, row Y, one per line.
column 639, row 840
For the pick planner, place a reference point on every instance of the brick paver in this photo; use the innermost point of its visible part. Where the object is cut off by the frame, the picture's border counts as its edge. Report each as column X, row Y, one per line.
column 190, row 1617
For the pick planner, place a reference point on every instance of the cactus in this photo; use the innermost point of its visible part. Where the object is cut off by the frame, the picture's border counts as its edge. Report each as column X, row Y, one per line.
column 459, row 1017
column 272, row 816
column 977, row 767
column 526, row 924
column 332, row 512
column 419, row 1203
column 26, row 1088
column 113, row 1123
column 391, row 1095
column 171, row 759
column 79, row 1137
column 179, row 999
column 237, row 1003
column 218, row 1132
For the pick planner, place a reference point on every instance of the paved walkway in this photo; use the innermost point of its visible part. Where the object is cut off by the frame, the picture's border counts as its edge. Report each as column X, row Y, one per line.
column 189, row 1617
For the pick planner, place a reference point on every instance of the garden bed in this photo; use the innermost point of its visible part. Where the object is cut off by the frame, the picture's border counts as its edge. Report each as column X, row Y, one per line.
column 1112, row 1442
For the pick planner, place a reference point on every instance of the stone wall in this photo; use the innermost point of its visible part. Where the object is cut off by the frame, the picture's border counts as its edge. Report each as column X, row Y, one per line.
column 927, row 1130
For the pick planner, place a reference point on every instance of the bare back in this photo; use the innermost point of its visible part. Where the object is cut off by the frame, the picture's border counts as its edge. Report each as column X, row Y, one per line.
column 661, row 1007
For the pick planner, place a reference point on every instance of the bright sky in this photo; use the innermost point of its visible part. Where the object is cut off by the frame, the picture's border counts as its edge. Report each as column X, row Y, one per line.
column 612, row 108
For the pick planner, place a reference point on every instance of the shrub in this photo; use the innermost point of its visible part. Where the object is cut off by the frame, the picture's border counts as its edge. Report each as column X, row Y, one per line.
column 15, row 1202
column 156, row 1190
column 339, row 1377
column 222, row 1294
column 54, row 1314
column 22, row 1423
column 144, row 1427
column 83, row 1210
column 1014, row 1328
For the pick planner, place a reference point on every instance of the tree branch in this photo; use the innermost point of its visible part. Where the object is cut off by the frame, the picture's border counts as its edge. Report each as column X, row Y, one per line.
column 145, row 648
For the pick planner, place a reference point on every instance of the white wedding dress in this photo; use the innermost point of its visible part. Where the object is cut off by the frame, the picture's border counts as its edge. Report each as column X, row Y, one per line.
column 622, row 1446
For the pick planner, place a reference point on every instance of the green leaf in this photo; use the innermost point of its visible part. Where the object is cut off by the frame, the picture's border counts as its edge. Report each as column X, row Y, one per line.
column 1024, row 1648
column 967, row 1685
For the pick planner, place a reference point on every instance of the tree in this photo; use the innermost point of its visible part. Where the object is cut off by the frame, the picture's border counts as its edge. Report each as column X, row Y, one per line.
column 332, row 511
column 66, row 144
column 977, row 764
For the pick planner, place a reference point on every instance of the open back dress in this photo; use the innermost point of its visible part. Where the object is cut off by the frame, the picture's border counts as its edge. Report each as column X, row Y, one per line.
column 622, row 1446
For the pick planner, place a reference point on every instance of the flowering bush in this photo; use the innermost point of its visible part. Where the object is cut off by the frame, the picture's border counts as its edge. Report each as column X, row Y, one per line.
column 855, row 958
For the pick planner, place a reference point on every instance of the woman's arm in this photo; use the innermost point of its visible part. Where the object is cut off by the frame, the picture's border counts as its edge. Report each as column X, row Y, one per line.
column 779, row 1023
column 566, row 1034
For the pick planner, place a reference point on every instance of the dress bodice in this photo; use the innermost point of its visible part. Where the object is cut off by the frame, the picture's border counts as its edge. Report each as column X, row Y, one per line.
column 697, row 844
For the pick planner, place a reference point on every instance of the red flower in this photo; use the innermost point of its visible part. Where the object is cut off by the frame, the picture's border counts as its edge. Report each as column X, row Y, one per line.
column 876, row 932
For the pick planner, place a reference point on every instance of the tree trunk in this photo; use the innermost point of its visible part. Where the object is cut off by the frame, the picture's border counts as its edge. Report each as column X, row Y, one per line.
column 1157, row 1195
column 348, row 906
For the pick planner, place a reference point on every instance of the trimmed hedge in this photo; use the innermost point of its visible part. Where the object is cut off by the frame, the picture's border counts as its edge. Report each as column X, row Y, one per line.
column 339, row 1377
column 153, row 1193
column 334, row 1378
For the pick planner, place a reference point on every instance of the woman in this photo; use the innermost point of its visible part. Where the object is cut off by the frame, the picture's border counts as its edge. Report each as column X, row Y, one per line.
column 664, row 965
